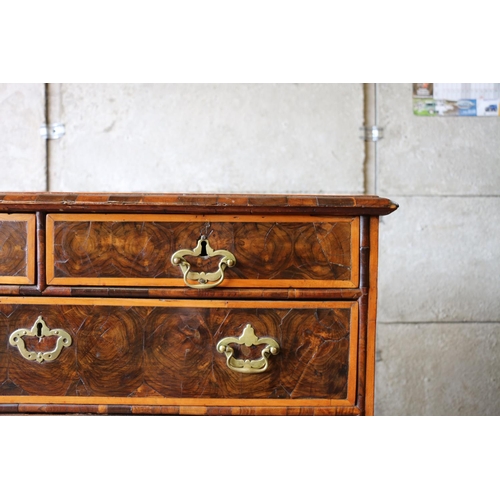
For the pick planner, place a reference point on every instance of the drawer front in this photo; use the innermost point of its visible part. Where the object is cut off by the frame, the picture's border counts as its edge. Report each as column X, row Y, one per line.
column 17, row 249
column 153, row 352
column 137, row 250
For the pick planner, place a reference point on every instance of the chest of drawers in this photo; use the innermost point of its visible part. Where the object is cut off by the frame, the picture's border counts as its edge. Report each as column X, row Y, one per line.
column 188, row 304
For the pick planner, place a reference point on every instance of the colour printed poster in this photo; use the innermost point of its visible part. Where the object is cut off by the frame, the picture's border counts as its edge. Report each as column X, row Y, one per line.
column 456, row 99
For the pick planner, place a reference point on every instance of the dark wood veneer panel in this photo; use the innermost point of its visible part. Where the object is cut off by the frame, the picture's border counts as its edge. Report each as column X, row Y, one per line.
column 265, row 250
column 153, row 351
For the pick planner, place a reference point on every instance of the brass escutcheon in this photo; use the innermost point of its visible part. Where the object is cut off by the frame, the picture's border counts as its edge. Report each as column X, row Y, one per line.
column 202, row 279
column 40, row 330
column 248, row 338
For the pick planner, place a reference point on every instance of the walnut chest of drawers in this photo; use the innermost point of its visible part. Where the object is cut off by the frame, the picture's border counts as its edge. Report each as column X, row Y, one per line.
column 188, row 304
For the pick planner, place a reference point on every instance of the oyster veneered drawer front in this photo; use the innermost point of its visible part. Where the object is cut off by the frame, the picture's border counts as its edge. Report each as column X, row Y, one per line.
column 202, row 251
column 17, row 249
column 156, row 352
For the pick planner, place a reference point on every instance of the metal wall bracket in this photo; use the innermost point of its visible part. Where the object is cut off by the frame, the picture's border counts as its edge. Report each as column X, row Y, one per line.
column 52, row 131
column 372, row 134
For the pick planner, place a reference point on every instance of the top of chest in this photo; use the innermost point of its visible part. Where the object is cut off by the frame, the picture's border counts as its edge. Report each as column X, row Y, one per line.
column 196, row 203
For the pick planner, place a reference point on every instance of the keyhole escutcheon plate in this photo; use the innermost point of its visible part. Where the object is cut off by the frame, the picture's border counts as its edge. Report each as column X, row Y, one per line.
column 40, row 330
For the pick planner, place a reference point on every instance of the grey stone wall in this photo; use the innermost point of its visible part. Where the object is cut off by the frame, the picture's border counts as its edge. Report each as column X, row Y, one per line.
column 262, row 138
column 438, row 346
column 439, row 318
column 22, row 152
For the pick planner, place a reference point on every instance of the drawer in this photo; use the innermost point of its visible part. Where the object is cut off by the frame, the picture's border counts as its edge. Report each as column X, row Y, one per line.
column 17, row 249
column 174, row 353
column 138, row 250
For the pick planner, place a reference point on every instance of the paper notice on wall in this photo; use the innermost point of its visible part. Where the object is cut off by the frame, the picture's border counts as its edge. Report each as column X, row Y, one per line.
column 456, row 99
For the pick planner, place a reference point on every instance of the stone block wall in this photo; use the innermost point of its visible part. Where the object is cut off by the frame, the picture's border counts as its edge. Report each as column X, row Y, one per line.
column 439, row 315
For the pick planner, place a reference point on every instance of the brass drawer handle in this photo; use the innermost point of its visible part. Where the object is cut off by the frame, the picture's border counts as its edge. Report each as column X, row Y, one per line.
column 202, row 279
column 40, row 330
column 248, row 338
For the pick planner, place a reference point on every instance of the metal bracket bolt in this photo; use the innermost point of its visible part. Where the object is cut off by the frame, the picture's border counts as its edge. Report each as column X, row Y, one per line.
column 52, row 131
column 372, row 134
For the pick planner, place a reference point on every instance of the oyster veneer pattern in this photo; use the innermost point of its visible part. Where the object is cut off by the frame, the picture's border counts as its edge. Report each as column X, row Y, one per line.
column 96, row 249
column 97, row 268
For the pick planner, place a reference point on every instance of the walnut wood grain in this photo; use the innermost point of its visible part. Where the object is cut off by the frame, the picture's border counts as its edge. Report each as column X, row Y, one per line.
column 17, row 249
column 135, row 250
column 213, row 293
column 29, row 376
column 196, row 203
column 98, row 265
column 155, row 349
column 110, row 409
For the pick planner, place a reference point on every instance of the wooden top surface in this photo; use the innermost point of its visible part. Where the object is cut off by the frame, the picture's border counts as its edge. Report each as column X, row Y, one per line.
column 197, row 203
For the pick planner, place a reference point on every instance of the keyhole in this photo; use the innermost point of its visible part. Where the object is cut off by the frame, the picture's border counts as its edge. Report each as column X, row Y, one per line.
column 39, row 334
column 203, row 248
